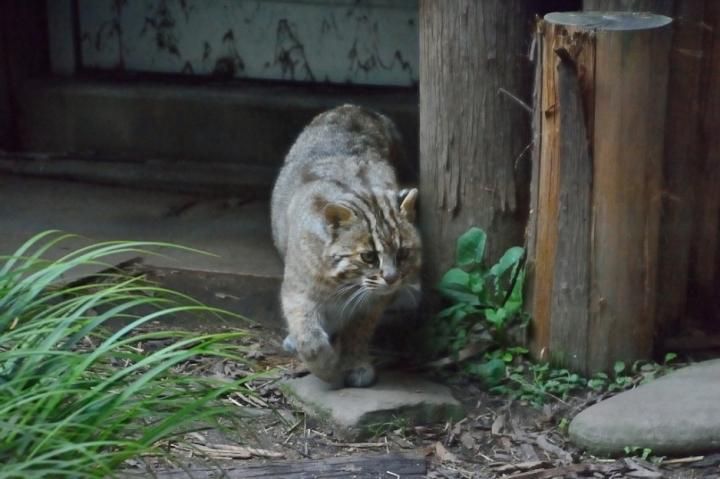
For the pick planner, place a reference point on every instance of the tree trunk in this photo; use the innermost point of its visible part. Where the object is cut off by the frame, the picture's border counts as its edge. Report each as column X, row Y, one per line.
column 602, row 98
column 474, row 140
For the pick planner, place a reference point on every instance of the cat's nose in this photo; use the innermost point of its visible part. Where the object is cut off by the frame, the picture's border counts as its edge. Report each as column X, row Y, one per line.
column 391, row 277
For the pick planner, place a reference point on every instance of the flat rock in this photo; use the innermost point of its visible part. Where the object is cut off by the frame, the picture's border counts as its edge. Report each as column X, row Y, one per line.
column 677, row 414
column 396, row 399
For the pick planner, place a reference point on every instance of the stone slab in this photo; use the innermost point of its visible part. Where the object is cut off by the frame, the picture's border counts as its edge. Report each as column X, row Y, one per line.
column 396, row 398
column 678, row 414
column 242, row 274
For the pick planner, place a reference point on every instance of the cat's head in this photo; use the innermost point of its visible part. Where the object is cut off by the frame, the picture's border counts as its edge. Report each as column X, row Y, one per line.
column 373, row 243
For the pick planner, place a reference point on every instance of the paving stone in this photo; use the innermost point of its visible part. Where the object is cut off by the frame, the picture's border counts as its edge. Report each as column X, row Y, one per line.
column 356, row 412
column 678, row 414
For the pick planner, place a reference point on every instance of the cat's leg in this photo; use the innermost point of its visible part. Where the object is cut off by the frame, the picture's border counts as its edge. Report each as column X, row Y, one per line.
column 289, row 344
column 308, row 338
column 356, row 361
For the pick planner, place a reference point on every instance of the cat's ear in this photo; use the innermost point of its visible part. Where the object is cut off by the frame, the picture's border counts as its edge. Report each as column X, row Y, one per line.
column 337, row 215
column 407, row 203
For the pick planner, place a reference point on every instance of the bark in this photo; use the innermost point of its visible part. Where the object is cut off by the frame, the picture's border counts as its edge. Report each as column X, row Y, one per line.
column 602, row 101
column 474, row 140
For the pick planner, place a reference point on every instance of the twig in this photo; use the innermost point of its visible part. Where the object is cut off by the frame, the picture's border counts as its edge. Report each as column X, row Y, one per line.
column 517, row 100
column 357, row 445
column 683, row 460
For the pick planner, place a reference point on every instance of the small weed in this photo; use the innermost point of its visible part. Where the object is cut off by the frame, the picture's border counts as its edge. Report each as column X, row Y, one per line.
column 644, row 453
column 563, row 425
column 486, row 305
column 380, row 429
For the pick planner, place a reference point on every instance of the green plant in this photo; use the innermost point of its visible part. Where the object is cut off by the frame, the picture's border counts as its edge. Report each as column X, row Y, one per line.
column 378, row 429
column 485, row 303
column 76, row 399
column 639, row 373
column 534, row 383
column 473, row 331
column 642, row 452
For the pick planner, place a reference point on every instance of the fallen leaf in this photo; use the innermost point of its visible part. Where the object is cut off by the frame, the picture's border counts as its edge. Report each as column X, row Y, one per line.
column 467, row 440
column 443, row 454
column 498, row 425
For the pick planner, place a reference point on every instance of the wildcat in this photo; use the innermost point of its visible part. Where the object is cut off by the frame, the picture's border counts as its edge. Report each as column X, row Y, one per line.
column 345, row 231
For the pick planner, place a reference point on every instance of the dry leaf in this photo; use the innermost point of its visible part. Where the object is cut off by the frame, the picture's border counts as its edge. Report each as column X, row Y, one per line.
column 443, row 454
column 467, row 440
column 498, row 425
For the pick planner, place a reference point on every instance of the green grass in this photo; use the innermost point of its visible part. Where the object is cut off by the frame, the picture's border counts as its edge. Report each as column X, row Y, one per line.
column 78, row 399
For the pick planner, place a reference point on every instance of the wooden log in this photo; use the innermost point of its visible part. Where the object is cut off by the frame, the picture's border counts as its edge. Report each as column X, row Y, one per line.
column 355, row 467
column 474, row 140
column 604, row 78
column 705, row 253
column 663, row 7
column 683, row 159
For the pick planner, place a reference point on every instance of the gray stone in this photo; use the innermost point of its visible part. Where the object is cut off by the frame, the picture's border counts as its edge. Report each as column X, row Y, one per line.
column 676, row 414
column 395, row 399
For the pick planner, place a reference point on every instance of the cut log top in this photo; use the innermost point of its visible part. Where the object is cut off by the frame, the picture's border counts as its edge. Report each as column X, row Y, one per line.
column 609, row 20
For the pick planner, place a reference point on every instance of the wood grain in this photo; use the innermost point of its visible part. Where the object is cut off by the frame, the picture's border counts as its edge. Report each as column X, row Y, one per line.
column 356, row 467
column 571, row 279
column 472, row 138
column 705, row 252
column 596, row 258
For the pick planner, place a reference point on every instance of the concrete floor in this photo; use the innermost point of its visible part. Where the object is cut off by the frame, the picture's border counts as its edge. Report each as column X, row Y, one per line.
column 244, row 276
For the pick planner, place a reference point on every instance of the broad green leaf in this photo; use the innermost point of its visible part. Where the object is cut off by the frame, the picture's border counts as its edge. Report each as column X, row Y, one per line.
column 619, row 367
column 471, row 247
column 454, row 277
column 477, row 283
column 510, row 258
column 454, row 287
column 496, row 316
column 492, row 372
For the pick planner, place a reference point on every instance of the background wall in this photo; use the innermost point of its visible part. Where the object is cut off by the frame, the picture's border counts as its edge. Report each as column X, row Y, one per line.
column 371, row 42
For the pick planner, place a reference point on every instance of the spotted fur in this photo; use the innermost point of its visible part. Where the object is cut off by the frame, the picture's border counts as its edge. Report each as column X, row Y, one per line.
column 346, row 233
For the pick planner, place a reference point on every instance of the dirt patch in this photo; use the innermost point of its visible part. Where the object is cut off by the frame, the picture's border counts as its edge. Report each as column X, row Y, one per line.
column 498, row 438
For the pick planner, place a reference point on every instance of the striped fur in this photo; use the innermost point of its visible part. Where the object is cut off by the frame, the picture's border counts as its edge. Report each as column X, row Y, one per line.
column 345, row 231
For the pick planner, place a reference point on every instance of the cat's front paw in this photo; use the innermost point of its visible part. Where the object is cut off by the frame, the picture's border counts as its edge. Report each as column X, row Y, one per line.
column 289, row 345
column 360, row 376
column 314, row 345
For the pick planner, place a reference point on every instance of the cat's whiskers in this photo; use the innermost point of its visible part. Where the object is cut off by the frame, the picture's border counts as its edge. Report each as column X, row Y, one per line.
column 355, row 300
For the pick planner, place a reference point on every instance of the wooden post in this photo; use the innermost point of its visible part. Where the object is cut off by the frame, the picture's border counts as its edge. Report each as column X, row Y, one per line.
column 663, row 7
column 705, row 251
column 23, row 54
column 598, row 181
column 683, row 156
column 474, row 139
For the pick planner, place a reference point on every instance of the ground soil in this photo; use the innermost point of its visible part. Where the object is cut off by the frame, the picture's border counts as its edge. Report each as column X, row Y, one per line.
column 499, row 437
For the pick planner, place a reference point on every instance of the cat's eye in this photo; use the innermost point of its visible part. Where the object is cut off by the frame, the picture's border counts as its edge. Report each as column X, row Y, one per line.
column 370, row 257
column 402, row 254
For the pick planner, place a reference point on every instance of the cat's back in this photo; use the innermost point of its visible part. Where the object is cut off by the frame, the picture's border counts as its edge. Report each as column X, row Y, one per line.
column 346, row 147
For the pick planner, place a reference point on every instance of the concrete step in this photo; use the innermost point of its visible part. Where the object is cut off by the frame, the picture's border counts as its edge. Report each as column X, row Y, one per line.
column 243, row 277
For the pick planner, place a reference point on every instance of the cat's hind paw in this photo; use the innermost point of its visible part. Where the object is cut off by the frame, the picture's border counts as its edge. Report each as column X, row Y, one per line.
column 360, row 376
